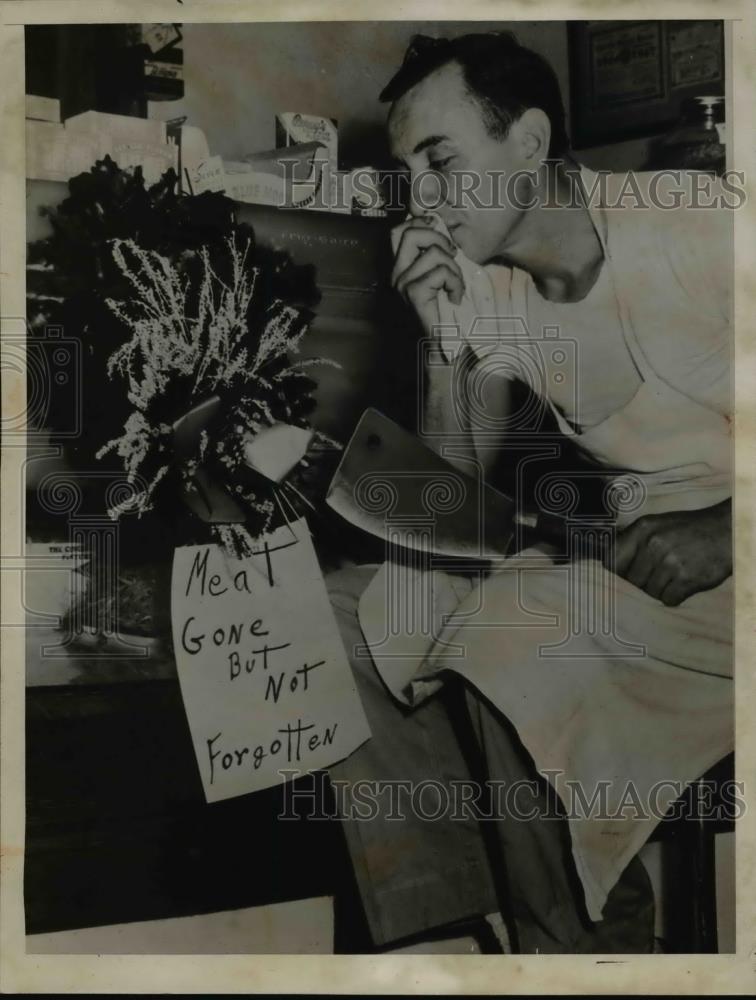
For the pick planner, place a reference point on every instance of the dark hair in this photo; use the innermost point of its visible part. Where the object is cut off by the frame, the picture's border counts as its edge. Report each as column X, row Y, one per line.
column 503, row 76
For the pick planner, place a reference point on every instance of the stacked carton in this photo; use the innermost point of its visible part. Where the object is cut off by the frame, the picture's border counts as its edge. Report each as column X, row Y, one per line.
column 58, row 151
column 129, row 141
column 301, row 172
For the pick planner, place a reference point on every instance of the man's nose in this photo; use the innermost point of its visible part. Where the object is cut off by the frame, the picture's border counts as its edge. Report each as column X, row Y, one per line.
column 426, row 193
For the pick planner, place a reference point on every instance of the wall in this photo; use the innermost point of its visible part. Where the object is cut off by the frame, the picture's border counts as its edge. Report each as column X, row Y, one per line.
column 630, row 155
column 238, row 76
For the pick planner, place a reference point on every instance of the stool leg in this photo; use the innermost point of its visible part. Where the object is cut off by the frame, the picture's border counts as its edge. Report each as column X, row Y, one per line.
column 705, row 892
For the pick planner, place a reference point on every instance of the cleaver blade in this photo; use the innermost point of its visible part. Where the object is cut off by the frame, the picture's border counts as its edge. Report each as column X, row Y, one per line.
column 392, row 485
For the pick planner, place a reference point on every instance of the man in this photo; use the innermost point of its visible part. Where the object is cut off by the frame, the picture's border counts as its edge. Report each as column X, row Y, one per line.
column 644, row 300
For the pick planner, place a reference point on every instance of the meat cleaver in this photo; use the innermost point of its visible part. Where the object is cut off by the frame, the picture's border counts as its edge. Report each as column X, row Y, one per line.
column 393, row 486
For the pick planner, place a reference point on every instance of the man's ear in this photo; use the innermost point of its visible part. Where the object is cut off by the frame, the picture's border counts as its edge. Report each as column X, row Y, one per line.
column 534, row 134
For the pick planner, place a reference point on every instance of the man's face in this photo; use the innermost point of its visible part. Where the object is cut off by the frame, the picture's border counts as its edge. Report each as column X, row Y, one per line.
column 438, row 126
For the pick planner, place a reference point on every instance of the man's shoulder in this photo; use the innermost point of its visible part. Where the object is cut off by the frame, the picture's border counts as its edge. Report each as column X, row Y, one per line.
column 675, row 222
column 676, row 212
column 662, row 190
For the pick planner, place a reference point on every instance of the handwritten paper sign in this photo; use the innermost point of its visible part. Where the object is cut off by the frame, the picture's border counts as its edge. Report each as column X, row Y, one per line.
column 265, row 680
column 209, row 176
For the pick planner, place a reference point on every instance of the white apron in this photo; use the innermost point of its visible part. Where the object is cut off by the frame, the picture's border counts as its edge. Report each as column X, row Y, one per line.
column 646, row 707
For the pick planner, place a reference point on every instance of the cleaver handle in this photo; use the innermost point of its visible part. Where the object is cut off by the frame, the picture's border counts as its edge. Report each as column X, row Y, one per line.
column 584, row 541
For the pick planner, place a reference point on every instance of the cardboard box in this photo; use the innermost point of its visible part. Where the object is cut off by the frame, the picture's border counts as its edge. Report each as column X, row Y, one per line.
column 293, row 128
column 193, row 153
column 366, row 195
column 153, row 159
column 333, row 195
column 129, row 141
column 42, row 109
column 159, row 36
column 255, row 187
column 46, row 145
column 118, row 128
column 53, row 155
column 298, row 163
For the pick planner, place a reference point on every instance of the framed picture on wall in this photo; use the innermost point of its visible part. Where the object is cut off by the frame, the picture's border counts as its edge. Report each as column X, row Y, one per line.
column 630, row 78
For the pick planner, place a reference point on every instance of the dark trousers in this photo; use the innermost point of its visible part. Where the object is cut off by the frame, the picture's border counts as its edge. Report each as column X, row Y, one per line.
column 424, row 858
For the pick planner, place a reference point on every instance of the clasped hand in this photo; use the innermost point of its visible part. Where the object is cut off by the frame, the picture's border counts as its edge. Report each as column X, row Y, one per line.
column 424, row 265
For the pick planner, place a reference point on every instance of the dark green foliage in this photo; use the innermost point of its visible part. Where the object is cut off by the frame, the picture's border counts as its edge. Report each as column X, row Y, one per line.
column 108, row 203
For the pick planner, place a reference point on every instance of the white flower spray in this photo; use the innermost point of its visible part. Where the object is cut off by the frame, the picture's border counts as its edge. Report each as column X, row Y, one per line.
column 210, row 350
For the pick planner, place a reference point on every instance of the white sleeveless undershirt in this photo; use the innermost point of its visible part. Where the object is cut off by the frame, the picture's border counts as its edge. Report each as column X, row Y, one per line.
column 594, row 376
